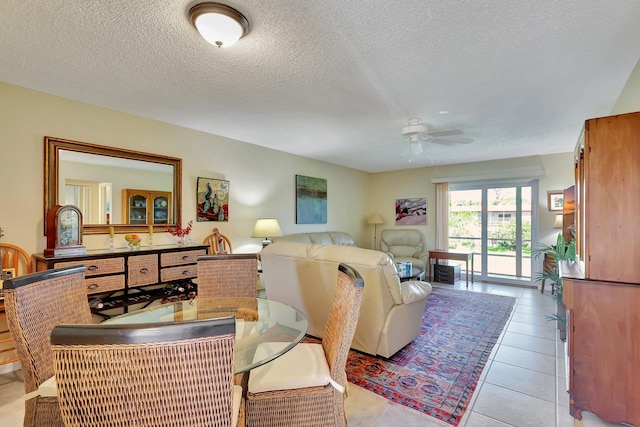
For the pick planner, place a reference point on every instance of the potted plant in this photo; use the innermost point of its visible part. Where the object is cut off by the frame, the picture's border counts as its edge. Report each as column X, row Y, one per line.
column 561, row 251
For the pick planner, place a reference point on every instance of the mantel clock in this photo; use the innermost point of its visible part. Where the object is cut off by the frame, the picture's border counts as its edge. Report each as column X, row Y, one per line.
column 64, row 232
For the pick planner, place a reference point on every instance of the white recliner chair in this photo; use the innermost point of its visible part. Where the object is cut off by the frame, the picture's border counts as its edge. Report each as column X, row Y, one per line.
column 404, row 245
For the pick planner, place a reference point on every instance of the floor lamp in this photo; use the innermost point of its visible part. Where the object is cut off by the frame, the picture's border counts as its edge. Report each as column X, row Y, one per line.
column 375, row 219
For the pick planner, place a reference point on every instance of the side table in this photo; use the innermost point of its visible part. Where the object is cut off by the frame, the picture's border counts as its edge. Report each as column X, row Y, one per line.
column 452, row 255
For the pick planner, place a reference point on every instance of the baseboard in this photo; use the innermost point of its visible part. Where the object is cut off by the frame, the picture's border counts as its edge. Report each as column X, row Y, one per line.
column 10, row 367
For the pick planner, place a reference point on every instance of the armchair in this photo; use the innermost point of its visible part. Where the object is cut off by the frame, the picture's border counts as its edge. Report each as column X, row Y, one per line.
column 404, row 245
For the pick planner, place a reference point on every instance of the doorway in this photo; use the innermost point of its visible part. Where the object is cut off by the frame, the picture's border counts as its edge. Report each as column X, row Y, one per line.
column 495, row 221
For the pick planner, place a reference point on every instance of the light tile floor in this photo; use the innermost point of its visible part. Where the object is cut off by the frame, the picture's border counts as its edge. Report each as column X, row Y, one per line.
column 523, row 383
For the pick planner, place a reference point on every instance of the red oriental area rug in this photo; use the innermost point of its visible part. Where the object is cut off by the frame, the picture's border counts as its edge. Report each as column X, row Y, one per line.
column 437, row 372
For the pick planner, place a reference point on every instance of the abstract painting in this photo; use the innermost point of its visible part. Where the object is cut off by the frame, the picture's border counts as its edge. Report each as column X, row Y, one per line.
column 411, row 211
column 311, row 200
column 213, row 200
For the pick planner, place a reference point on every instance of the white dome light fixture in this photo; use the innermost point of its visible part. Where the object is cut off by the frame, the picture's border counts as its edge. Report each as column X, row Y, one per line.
column 219, row 24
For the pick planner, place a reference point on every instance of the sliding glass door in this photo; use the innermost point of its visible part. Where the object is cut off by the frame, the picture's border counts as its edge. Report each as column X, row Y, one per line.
column 494, row 220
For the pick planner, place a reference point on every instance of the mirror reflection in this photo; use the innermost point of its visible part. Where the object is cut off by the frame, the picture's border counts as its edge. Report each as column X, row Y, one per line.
column 112, row 187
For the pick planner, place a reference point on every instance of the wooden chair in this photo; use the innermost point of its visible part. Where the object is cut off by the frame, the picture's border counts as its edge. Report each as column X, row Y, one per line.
column 153, row 375
column 35, row 303
column 305, row 386
column 218, row 243
column 230, row 281
column 17, row 258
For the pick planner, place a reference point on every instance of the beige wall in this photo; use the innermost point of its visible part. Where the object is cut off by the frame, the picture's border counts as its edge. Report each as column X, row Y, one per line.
column 415, row 183
column 262, row 180
column 629, row 99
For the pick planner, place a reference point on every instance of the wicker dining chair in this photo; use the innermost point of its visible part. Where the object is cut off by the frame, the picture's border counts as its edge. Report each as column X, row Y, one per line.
column 219, row 244
column 35, row 303
column 306, row 385
column 230, row 280
column 148, row 375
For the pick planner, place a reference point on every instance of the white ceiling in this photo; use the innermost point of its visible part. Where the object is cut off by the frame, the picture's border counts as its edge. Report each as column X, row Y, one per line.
column 336, row 80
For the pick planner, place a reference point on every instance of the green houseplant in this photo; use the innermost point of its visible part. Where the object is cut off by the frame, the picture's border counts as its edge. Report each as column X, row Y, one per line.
column 561, row 251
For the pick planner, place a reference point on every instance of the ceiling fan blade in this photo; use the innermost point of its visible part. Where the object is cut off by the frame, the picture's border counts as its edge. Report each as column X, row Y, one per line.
column 451, row 141
column 450, row 132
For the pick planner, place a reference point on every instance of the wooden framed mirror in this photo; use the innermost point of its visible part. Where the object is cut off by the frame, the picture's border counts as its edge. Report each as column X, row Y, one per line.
column 109, row 185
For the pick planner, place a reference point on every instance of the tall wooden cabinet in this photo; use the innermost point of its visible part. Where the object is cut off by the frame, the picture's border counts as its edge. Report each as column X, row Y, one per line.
column 602, row 291
column 146, row 207
column 610, row 203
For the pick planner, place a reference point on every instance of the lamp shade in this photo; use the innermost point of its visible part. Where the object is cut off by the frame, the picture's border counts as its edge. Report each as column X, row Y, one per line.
column 266, row 227
column 375, row 219
column 219, row 24
column 558, row 221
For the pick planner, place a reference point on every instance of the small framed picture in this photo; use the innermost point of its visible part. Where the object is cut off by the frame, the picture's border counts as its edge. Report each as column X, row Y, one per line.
column 555, row 200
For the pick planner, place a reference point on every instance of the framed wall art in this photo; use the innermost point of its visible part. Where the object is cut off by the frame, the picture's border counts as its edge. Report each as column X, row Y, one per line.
column 555, row 200
column 212, row 200
column 311, row 200
column 411, row 211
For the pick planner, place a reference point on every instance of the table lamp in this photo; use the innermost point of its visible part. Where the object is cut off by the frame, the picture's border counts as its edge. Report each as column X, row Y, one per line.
column 266, row 228
column 557, row 223
column 375, row 219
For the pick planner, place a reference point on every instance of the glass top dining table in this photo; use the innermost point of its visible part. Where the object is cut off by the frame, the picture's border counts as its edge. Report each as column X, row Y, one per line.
column 258, row 320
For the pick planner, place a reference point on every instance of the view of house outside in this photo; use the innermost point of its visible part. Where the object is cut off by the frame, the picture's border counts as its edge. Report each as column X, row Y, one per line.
column 505, row 246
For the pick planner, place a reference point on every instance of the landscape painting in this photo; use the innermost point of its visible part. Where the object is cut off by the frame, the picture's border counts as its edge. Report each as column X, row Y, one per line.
column 311, row 200
column 411, row 211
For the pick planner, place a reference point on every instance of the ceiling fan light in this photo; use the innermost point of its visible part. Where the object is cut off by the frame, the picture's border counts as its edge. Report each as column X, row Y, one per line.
column 414, row 129
column 219, row 24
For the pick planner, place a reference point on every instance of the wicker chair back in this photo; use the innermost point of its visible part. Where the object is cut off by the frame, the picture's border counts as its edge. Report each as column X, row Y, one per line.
column 155, row 375
column 35, row 304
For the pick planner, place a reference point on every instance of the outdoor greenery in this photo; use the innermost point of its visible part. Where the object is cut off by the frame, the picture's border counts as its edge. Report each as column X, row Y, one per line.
column 561, row 251
column 501, row 236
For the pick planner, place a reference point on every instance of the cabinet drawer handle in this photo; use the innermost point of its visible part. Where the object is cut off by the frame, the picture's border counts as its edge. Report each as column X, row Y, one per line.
column 186, row 272
column 144, row 270
column 185, row 258
column 93, row 286
column 93, row 268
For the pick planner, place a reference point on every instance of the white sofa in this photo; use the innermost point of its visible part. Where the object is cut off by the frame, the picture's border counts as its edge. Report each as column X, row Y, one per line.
column 319, row 238
column 305, row 276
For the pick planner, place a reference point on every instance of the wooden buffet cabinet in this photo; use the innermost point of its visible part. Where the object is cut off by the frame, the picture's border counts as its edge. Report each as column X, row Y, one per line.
column 602, row 290
column 123, row 277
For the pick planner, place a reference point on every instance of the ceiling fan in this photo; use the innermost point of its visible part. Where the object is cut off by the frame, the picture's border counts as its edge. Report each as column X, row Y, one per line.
column 417, row 133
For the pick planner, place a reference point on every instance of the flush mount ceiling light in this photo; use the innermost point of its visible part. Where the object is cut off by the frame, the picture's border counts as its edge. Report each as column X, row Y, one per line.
column 219, row 24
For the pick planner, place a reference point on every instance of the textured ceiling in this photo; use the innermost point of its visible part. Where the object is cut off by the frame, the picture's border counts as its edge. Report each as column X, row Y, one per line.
column 336, row 80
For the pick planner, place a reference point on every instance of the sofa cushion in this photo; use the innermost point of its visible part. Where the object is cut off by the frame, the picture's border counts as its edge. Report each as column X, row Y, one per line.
column 402, row 251
column 298, row 238
column 341, row 238
column 320, row 238
column 401, row 237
